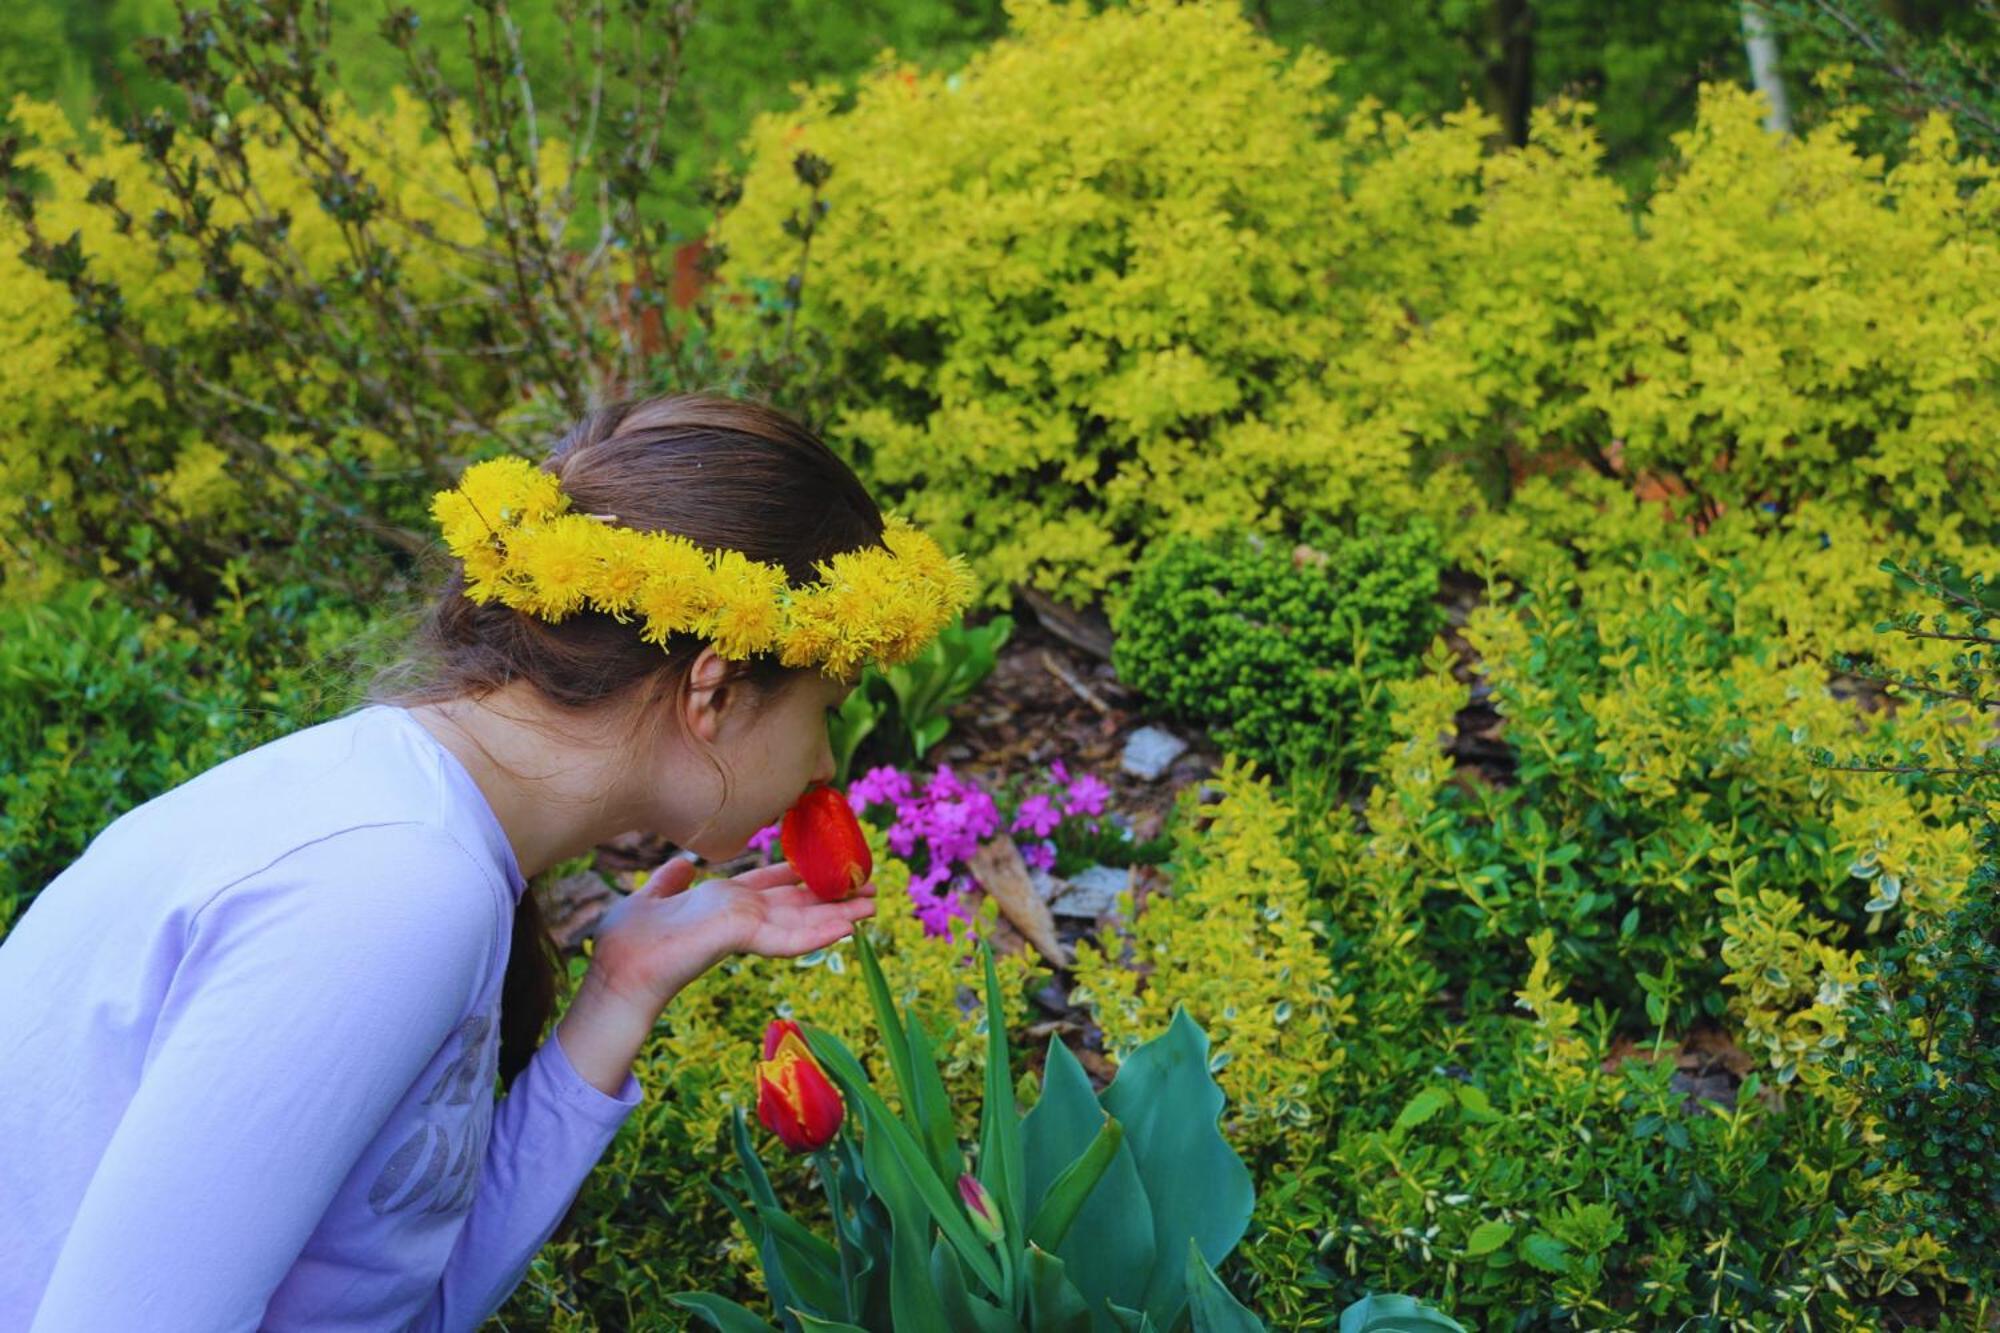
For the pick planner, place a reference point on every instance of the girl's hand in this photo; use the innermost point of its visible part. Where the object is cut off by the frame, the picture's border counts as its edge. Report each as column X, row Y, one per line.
column 656, row 940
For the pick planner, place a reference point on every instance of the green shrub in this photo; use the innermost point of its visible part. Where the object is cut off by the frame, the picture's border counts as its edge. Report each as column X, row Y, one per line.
column 1926, row 1016
column 1278, row 650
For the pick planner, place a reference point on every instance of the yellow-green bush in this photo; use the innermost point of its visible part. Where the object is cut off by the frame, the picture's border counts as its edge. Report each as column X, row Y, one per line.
column 1073, row 307
column 96, row 444
column 1233, row 939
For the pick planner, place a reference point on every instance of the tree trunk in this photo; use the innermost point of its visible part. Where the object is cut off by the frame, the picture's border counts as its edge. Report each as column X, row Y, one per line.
column 1510, row 72
column 1762, row 44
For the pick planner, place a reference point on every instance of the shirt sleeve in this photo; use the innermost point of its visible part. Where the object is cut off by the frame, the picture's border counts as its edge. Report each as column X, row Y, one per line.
column 309, row 999
column 548, row 1132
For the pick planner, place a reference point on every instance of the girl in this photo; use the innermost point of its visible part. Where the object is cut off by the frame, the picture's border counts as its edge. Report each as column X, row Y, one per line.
column 248, row 1040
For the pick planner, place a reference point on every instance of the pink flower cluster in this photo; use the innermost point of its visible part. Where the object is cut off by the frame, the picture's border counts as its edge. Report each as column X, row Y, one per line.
column 938, row 826
column 947, row 818
column 1041, row 813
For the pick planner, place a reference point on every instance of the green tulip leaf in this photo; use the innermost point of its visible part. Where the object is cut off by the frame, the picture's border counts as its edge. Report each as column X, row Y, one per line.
column 912, row 1301
column 1214, row 1309
column 1000, row 1148
column 933, row 1106
column 1054, row 1303
column 761, row 1197
column 1169, row 1104
column 1395, row 1314
column 1110, row 1249
column 888, row 1144
column 721, row 1313
column 1066, row 1194
column 895, row 1036
column 809, row 1322
column 963, row 1310
column 811, row 1267
column 1126, row 1320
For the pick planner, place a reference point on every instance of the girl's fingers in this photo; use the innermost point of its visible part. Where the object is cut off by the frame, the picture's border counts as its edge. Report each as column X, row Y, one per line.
column 670, row 878
column 770, row 876
column 799, row 898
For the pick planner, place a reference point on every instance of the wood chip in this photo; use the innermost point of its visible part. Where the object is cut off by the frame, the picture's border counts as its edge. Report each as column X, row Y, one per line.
column 1085, row 629
column 998, row 867
column 1077, row 687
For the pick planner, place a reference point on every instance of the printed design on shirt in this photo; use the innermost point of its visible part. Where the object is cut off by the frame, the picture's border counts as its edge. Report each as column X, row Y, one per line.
column 437, row 1166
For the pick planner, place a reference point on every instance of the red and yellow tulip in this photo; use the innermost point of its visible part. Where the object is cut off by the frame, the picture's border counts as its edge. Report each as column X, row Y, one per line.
column 795, row 1099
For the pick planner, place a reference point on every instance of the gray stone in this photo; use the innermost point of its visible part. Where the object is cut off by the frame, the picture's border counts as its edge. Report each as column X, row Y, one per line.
column 1149, row 751
column 1093, row 892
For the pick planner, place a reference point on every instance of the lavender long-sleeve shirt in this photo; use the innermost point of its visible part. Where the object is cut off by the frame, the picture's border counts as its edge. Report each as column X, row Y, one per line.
column 247, row 1057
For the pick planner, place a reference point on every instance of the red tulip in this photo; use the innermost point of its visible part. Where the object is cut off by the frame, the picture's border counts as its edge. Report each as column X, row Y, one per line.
column 823, row 841
column 795, row 1099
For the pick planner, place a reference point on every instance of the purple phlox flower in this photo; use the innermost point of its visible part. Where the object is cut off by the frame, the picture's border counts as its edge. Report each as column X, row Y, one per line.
column 923, row 884
column 1059, row 771
column 1037, row 814
column 1087, row 796
column 982, row 816
column 946, row 785
column 880, row 785
column 1039, row 855
column 939, row 912
column 764, row 839
column 903, row 836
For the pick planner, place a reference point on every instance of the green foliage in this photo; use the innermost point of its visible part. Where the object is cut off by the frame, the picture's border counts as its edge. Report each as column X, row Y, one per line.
column 1906, row 60
column 102, row 709
column 1280, row 653
column 1925, row 1014
column 1924, row 1020
column 893, row 716
column 266, row 323
column 1639, row 63
column 1100, row 1211
column 1452, row 993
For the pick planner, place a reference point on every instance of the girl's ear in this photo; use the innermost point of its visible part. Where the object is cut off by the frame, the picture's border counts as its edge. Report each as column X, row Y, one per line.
column 710, row 693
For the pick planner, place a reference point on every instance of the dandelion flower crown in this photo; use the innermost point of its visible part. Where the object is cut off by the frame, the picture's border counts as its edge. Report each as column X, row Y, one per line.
column 510, row 523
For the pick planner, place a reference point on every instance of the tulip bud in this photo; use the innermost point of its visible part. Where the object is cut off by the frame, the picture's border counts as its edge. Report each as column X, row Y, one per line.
column 795, row 1099
column 979, row 1204
column 823, row 841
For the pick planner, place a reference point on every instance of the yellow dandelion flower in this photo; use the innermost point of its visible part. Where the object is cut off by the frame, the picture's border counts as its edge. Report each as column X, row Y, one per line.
column 558, row 561
column 674, row 595
column 746, row 604
column 623, row 572
column 511, row 490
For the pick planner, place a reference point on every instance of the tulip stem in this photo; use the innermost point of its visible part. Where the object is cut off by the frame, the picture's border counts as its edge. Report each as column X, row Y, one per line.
column 829, row 1175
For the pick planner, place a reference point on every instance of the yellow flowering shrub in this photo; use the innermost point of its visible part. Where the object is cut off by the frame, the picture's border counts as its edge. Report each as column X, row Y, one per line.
column 93, row 447
column 1233, row 940
column 1071, row 310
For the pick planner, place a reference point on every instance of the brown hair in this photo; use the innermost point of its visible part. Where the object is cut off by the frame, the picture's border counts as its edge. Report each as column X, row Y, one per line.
column 721, row 472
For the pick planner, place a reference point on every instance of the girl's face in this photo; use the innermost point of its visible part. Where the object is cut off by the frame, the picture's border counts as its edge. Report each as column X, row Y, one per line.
column 774, row 744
